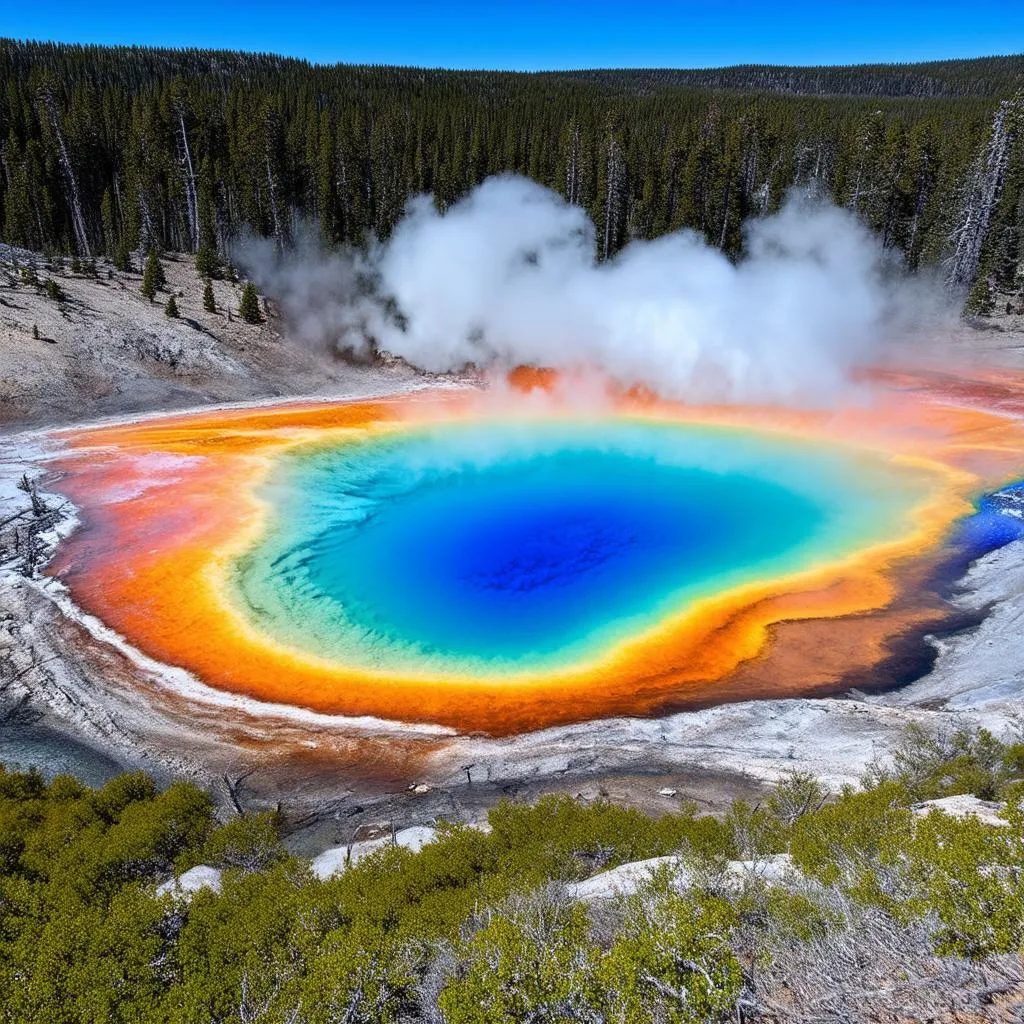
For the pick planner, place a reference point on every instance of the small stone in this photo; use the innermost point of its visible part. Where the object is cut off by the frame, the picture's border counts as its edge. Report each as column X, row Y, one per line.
column 421, row 788
column 667, row 792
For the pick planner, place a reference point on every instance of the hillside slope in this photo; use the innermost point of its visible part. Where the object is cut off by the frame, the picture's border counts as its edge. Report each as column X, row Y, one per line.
column 104, row 349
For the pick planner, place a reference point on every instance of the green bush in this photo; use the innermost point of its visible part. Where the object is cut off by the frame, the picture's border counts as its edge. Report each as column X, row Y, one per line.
column 247, row 843
column 362, row 975
column 947, row 762
column 671, row 961
column 971, row 876
column 847, row 841
column 533, row 961
column 477, row 926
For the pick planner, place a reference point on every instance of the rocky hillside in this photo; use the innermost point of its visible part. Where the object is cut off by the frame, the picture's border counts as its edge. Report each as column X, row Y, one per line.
column 79, row 341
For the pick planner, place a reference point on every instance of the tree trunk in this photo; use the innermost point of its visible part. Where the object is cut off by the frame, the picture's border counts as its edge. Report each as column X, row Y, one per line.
column 73, row 195
column 191, row 197
column 981, row 194
column 613, row 188
column 274, row 213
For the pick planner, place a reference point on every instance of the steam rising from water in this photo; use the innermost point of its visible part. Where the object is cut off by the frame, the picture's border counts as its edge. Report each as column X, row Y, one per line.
column 507, row 276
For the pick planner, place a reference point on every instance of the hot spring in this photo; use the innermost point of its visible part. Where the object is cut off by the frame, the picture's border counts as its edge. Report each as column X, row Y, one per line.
column 434, row 558
column 502, row 548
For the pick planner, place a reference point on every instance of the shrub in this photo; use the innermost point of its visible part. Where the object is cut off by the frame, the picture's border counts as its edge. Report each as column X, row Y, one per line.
column 249, row 844
column 797, row 794
column 947, row 761
column 531, row 960
column 971, row 876
column 671, row 961
column 846, row 841
column 364, row 976
column 478, row 926
column 755, row 832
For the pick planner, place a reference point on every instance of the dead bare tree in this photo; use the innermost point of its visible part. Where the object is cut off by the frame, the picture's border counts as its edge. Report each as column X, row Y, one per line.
column 39, row 506
column 20, row 545
column 797, row 793
column 614, row 188
column 257, row 1009
column 981, row 192
column 272, row 129
column 234, row 790
column 189, row 177
column 67, row 169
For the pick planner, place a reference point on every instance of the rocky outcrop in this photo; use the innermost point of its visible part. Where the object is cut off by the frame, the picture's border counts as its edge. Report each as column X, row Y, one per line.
column 627, row 879
column 339, row 858
column 963, row 806
column 187, row 884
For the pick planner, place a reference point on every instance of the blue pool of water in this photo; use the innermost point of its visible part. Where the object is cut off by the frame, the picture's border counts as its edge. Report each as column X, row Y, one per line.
column 998, row 521
column 486, row 548
column 529, row 557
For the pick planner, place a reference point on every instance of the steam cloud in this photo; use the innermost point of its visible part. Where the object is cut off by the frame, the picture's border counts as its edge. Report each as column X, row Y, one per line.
column 507, row 276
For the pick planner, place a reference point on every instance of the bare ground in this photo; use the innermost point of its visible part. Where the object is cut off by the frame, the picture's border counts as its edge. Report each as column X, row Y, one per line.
column 105, row 350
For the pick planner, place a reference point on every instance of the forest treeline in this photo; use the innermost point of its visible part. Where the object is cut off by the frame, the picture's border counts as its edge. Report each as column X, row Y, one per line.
column 982, row 76
column 115, row 150
column 884, row 913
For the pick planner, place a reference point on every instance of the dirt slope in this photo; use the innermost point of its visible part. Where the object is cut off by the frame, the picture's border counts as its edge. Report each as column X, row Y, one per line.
column 104, row 349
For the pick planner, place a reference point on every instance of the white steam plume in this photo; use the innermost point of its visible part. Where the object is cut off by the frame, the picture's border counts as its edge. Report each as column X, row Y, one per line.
column 507, row 276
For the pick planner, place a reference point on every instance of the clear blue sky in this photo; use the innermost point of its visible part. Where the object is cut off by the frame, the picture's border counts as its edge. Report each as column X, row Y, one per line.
column 532, row 35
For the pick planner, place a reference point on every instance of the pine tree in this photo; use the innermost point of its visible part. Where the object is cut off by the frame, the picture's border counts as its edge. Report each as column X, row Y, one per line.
column 152, row 276
column 981, row 300
column 207, row 261
column 209, row 302
column 325, row 180
column 171, row 309
column 137, row 149
column 249, row 307
column 161, row 278
column 980, row 196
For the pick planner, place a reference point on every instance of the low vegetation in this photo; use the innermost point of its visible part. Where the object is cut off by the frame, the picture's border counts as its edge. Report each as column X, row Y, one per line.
column 885, row 907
